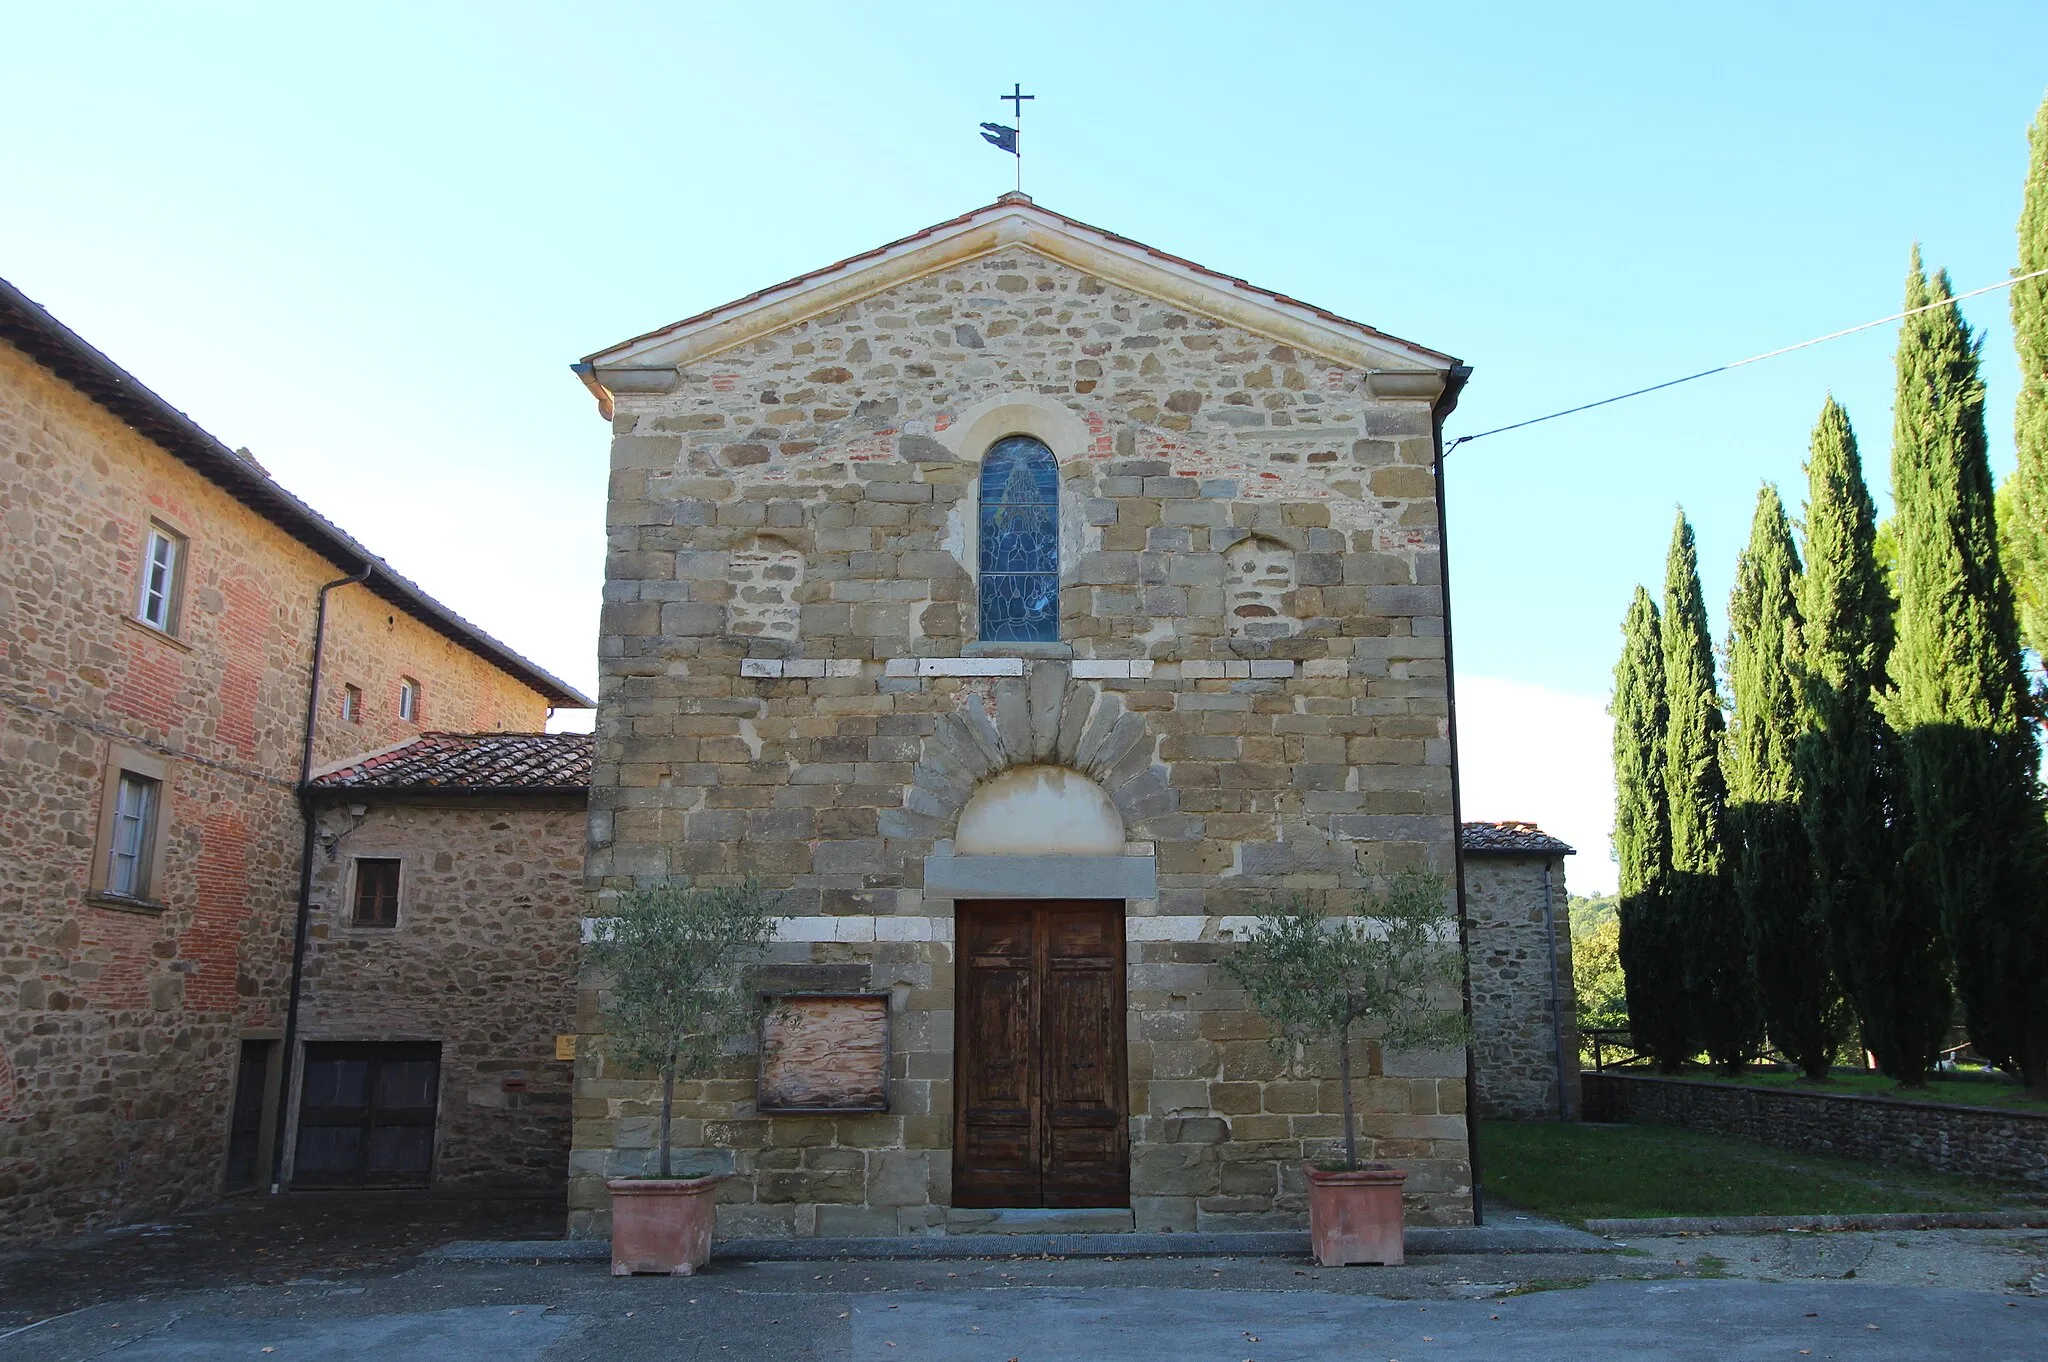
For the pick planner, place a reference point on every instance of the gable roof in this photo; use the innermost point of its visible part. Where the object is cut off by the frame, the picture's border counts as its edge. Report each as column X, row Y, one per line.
column 470, row 763
column 647, row 363
column 30, row 328
column 1511, row 839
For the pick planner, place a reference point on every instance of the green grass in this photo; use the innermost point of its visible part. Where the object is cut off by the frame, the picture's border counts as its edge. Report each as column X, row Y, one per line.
column 1578, row 1173
column 1962, row 1092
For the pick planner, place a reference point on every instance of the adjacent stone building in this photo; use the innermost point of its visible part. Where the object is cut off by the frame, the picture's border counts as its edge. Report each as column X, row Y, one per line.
column 1525, row 1046
column 1027, row 608
column 159, row 601
column 446, row 918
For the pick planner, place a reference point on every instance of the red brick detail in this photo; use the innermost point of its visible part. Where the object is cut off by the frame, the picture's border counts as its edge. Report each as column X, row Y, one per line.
column 119, row 944
column 212, row 944
column 244, row 636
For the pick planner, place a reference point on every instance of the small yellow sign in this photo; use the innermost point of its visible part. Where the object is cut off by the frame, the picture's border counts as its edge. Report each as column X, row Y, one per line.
column 565, row 1047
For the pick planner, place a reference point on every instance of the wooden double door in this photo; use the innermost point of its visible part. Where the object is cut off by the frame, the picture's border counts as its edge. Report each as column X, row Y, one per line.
column 366, row 1115
column 1040, row 1090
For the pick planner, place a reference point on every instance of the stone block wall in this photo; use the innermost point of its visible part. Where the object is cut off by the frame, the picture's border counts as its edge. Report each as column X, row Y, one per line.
column 483, row 960
column 1525, row 1054
column 829, row 757
column 119, row 1029
column 1985, row 1141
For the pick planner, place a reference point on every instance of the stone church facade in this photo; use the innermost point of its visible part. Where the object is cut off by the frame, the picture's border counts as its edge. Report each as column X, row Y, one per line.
column 1027, row 609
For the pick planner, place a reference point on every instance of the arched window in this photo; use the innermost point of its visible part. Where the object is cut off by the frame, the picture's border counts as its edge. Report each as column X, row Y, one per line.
column 1020, row 542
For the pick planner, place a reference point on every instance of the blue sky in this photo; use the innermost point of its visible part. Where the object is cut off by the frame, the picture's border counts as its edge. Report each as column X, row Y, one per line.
column 368, row 244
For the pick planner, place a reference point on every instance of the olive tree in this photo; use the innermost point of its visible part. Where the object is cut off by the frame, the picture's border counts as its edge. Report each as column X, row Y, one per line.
column 679, row 967
column 1387, row 963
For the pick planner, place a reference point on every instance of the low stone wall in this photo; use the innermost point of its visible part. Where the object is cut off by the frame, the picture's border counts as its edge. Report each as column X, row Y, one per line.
column 1951, row 1139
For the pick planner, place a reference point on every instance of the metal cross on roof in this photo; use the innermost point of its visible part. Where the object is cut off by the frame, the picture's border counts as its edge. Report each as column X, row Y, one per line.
column 1016, row 99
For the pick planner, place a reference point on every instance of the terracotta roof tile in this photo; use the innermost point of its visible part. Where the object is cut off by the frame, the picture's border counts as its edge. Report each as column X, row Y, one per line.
column 478, row 763
column 1512, row 839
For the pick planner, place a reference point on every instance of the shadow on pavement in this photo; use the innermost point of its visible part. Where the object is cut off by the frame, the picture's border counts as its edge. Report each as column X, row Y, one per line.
column 261, row 1240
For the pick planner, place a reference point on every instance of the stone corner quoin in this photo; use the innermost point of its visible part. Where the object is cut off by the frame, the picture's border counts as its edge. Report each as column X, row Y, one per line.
column 1250, row 667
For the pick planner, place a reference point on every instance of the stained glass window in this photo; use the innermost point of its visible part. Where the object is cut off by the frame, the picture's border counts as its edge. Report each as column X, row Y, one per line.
column 1020, row 543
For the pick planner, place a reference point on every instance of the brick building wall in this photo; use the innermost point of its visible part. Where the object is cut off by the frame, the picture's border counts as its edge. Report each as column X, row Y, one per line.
column 482, row 960
column 826, row 743
column 1515, row 914
column 119, row 1028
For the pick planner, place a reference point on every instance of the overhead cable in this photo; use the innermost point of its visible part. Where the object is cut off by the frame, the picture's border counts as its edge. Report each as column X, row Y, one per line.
column 1753, row 359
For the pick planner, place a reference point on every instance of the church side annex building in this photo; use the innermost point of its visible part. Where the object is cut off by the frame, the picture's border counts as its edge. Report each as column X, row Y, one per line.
column 1028, row 608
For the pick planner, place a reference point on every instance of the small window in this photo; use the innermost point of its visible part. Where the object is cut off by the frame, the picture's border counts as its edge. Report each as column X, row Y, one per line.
column 132, row 847
column 376, row 892
column 351, row 704
column 1020, row 543
column 408, row 699
column 162, row 572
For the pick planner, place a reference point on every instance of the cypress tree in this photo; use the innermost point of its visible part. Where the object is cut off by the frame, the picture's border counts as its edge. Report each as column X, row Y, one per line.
column 2025, row 497
column 1888, row 950
column 1720, row 989
column 1773, row 873
column 1958, row 698
column 1652, row 959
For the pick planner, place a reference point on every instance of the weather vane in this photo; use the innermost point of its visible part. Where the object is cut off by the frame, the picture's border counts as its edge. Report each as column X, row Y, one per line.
column 1005, row 138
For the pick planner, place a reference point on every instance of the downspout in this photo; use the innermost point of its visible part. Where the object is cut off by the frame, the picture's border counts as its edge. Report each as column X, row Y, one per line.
column 291, row 1013
column 1454, row 384
column 1564, row 1109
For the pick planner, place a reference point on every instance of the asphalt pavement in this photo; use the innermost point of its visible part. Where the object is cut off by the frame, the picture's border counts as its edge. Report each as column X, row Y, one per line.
column 1728, row 1297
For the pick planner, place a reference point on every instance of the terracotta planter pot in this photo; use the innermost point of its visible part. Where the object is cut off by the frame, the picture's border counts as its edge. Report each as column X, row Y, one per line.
column 662, row 1224
column 1355, row 1217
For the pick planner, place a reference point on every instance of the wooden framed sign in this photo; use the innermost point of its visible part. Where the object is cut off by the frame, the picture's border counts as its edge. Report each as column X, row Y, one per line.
column 825, row 1054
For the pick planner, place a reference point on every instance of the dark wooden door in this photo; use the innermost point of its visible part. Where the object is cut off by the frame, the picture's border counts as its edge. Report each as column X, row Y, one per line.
column 366, row 1115
column 1039, row 1083
column 245, row 1123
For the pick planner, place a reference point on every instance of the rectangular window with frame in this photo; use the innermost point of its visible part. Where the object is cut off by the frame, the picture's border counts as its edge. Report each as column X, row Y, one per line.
column 408, row 699
column 163, row 571
column 132, row 846
column 351, row 704
column 376, row 900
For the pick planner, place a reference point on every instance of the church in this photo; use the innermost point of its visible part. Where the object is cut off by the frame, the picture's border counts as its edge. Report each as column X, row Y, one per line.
column 1027, row 609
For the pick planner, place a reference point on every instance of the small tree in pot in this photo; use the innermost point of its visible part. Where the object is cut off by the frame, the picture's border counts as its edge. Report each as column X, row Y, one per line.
column 679, row 965
column 1389, row 964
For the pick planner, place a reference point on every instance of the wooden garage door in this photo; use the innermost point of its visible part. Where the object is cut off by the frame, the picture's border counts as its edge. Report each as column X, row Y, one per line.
column 366, row 1115
column 1039, row 1082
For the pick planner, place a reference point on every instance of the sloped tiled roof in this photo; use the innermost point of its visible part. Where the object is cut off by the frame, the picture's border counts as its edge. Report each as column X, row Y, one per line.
column 25, row 324
column 476, row 763
column 1512, row 839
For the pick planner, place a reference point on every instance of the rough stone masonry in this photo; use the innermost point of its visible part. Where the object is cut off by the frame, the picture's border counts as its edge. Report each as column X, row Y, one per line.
column 1250, row 665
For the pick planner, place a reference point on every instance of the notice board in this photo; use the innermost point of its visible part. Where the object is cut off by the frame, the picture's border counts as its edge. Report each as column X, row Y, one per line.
column 825, row 1055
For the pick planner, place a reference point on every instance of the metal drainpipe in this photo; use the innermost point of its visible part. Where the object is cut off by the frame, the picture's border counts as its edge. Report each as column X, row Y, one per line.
column 1453, row 386
column 291, row 1014
column 1564, row 1109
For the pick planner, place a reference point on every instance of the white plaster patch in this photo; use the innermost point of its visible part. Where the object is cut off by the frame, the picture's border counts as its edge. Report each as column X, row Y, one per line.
column 1039, row 811
column 766, row 576
column 1258, row 582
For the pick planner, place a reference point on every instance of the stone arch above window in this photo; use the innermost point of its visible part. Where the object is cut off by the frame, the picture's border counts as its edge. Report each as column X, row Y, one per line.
column 1258, row 586
column 765, row 576
column 1039, row 811
column 1018, row 538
